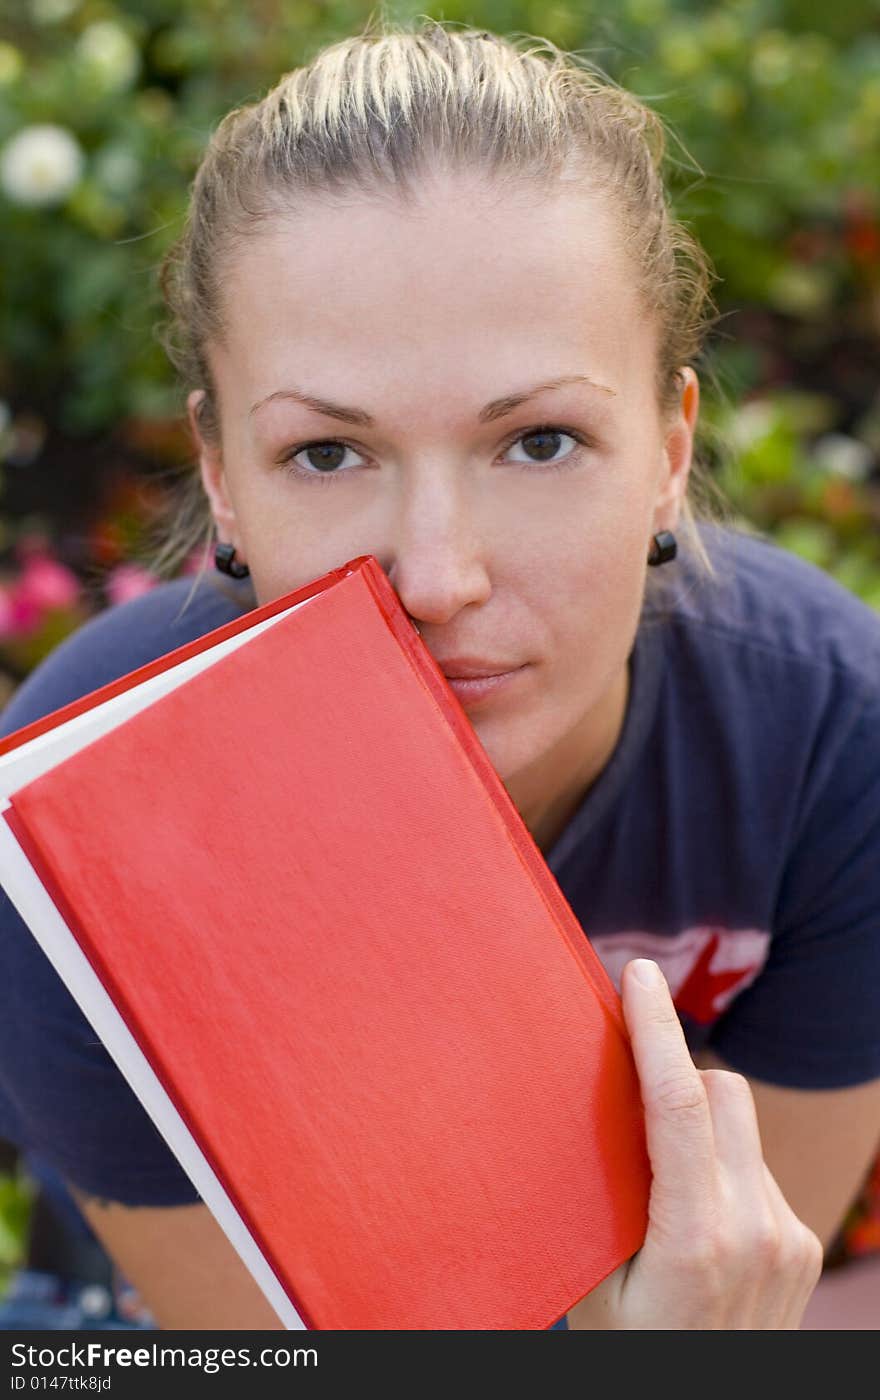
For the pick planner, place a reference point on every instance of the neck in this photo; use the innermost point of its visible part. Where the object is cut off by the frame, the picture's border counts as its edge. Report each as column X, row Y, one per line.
column 549, row 792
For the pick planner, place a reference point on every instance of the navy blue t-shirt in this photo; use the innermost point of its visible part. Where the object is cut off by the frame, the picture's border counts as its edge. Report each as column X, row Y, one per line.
column 734, row 836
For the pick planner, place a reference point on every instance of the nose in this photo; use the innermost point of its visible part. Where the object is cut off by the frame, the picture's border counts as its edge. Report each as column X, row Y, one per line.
column 436, row 561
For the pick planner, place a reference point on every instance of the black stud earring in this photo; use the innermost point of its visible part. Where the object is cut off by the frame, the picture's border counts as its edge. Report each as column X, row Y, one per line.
column 226, row 562
column 663, row 548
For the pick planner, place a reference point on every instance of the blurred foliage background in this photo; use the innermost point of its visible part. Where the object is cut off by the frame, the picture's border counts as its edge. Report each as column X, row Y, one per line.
column 106, row 106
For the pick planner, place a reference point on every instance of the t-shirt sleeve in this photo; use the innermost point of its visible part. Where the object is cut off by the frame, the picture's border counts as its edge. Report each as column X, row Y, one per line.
column 61, row 1096
column 812, row 1018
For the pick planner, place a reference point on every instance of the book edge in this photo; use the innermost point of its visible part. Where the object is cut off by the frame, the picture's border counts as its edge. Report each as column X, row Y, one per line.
column 58, row 941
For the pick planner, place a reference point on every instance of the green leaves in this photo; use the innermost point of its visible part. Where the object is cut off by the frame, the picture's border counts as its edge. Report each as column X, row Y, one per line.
column 16, row 1196
column 773, row 161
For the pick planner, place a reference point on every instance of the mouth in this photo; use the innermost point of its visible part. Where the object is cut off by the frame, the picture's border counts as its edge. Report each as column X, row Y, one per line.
column 474, row 689
column 474, row 668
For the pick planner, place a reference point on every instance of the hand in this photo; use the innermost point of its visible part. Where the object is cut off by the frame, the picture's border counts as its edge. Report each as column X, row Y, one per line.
column 723, row 1249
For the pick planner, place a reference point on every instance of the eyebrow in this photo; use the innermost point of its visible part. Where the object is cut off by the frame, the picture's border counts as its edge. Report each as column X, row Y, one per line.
column 496, row 408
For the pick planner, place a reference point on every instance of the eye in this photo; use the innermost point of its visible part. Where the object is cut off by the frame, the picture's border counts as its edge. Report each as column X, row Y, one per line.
column 545, row 442
column 323, row 459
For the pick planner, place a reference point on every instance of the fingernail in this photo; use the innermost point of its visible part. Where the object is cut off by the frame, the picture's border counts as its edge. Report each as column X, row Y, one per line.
column 647, row 972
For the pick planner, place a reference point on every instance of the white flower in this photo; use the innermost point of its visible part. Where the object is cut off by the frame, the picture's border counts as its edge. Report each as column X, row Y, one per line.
column 843, row 456
column 40, row 165
column 109, row 55
column 752, row 422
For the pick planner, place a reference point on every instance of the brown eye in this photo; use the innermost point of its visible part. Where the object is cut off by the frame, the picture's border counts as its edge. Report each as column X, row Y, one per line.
column 318, row 461
column 546, row 445
column 543, row 444
column 324, row 456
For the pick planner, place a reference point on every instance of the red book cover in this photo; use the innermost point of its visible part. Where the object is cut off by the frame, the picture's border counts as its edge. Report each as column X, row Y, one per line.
column 324, row 923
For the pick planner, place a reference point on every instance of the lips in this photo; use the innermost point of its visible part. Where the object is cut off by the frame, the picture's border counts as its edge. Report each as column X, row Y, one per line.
column 469, row 668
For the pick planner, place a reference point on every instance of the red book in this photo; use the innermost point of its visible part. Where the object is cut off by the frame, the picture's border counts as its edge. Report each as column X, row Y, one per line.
column 290, row 892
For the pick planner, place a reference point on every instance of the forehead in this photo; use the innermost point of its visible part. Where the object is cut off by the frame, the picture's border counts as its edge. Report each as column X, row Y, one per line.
column 474, row 275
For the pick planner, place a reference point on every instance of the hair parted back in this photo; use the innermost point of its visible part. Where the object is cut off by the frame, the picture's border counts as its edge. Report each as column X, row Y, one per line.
column 378, row 111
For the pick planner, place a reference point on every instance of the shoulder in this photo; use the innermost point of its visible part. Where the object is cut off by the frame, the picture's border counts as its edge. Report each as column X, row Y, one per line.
column 772, row 619
column 770, row 702
column 122, row 638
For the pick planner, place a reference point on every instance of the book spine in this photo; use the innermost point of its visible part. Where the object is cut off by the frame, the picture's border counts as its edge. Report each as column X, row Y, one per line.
column 541, row 875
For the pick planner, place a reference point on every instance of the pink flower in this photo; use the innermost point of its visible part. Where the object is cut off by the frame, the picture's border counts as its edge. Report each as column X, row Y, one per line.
column 24, row 613
column 44, row 584
column 129, row 581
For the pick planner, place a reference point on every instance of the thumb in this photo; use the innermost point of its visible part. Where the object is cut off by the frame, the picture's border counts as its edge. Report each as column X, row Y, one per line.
column 678, row 1120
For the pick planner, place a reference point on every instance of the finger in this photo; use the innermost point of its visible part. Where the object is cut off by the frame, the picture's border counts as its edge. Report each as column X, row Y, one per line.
column 735, row 1127
column 754, row 1231
column 806, row 1246
column 678, row 1122
column 777, row 1251
column 810, row 1246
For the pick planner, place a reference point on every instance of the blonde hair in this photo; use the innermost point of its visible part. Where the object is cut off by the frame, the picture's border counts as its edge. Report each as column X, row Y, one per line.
column 379, row 110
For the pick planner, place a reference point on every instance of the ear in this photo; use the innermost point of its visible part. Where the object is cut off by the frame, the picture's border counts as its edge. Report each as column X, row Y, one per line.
column 677, row 453
column 212, row 472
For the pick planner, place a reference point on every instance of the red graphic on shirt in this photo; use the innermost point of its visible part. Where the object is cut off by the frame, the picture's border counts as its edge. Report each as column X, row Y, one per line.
column 705, row 967
column 701, row 991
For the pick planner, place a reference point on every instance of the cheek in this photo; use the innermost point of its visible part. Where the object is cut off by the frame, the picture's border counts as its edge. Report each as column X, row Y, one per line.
column 595, row 597
column 597, row 574
column 287, row 543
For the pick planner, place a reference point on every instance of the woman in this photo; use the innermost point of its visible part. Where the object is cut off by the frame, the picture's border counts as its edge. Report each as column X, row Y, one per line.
column 430, row 305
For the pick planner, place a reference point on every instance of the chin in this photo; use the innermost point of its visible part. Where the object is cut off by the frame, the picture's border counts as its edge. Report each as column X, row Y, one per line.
column 510, row 754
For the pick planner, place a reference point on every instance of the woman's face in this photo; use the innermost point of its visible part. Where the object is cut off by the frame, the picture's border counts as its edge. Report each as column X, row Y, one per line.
column 430, row 328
